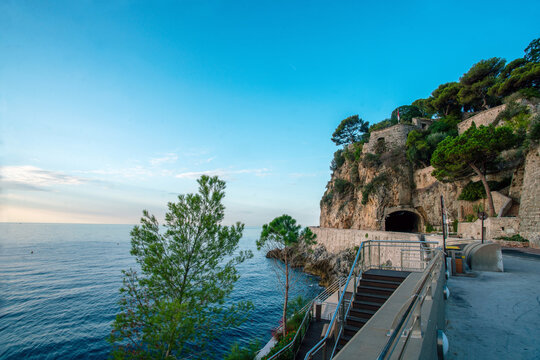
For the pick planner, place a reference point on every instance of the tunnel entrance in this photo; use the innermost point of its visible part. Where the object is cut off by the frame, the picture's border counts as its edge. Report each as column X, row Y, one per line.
column 402, row 221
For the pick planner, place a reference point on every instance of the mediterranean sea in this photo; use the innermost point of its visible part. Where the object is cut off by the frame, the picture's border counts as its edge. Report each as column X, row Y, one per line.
column 59, row 290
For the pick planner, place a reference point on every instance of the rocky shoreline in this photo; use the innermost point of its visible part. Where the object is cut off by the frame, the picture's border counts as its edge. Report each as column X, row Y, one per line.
column 316, row 260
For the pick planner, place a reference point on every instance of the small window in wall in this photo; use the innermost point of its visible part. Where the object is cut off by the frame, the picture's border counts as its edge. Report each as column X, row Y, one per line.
column 423, row 126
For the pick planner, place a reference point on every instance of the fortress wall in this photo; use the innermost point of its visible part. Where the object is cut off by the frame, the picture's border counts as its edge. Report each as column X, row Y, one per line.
column 394, row 136
column 484, row 118
column 529, row 210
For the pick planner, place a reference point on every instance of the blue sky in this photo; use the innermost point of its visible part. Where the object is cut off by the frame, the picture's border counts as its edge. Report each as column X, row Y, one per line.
column 109, row 108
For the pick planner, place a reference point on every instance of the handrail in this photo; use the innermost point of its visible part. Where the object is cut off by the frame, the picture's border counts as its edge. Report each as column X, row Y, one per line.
column 325, row 294
column 342, row 297
column 291, row 343
column 321, row 342
column 407, row 314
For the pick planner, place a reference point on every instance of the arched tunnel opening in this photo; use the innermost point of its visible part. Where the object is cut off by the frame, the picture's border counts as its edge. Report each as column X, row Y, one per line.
column 402, row 221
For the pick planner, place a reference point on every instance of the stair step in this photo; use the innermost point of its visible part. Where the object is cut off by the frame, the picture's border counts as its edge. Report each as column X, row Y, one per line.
column 380, row 283
column 361, row 304
column 362, row 313
column 381, row 299
column 356, row 321
column 364, row 289
column 344, row 339
column 351, row 330
column 391, row 275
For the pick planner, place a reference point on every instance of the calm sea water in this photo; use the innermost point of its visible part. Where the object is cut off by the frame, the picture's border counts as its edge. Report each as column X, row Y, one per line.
column 59, row 301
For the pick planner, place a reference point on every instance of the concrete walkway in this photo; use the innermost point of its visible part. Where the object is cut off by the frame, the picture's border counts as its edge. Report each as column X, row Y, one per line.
column 496, row 315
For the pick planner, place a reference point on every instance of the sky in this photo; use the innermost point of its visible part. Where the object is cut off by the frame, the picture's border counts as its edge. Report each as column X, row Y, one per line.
column 111, row 107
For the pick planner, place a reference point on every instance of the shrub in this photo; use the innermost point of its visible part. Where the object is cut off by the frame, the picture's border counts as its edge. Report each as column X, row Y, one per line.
column 371, row 160
column 338, row 160
column 455, row 225
column 515, row 237
column 534, row 132
column 327, row 198
column 471, row 218
column 343, row 187
column 429, row 228
column 475, row 190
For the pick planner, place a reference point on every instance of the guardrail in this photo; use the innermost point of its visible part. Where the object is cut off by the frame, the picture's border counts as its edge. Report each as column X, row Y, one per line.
column 294, row 344
column 372, row 254
column 407, row 323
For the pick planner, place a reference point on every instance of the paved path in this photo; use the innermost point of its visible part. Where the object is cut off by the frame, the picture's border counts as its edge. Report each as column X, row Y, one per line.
column 496, row 315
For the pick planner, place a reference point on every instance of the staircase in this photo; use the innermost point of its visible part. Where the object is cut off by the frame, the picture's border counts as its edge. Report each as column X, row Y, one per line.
column 375, row 287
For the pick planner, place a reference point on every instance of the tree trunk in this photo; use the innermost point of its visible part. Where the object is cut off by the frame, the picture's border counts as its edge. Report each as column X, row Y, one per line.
column 284, row 330
column 486, row 188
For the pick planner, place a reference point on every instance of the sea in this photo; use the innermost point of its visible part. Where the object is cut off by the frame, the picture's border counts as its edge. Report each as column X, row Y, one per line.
column 59, row 290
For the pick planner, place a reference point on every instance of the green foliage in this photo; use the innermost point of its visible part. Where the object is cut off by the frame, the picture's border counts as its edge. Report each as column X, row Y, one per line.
column 372, row 186
column 327, row 198
column 516, row 116
column 475, row 84
column 338, row 160
column 370, row 160
column 284, row 234
column 247, row 352
column 475, row 190
column 429, row 228
column 455, row 225
column 343, row 187
column 386, row 123
column 522, row 76
column 424, row 106
column 515, row 237
column 471, row 218
column 534, row 133
column 406, row 113
column 187, row 270
column 350, row 130
column 475, row 148
column 422, row 143
column 444, row 100
column 532, row 51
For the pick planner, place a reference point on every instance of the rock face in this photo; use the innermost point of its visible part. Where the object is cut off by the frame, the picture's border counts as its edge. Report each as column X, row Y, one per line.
column 319, row 262
column 379, row 189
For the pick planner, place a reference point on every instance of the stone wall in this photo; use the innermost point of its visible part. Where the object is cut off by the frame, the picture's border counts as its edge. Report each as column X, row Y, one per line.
column 529, row 210
column 495, row 227
column 484, row 118
column 394, row 136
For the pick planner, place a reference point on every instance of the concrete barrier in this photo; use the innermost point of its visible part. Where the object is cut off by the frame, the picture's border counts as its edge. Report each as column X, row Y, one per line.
column 484, row 257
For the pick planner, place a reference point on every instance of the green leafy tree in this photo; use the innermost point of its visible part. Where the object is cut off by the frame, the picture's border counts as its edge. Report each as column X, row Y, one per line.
column 520, row 75
column 176, row 305
column 444, row 100
column 474, row 93
column 350, row 130
column 424, row 105
column 471, row 151
column 532, row 52
column 285, row 235
column 406, row 113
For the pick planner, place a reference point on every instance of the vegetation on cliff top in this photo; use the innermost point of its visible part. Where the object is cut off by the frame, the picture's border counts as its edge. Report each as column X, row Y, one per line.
column 487, row 83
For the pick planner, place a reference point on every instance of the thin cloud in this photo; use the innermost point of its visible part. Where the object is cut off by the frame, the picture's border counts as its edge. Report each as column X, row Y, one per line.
column 222, row 173
column 166, row 159
column 34, row 178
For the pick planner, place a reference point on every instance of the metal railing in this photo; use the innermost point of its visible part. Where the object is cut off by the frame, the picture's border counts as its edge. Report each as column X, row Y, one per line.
column 294, row 344
column 407, row 324
column 372, row 254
